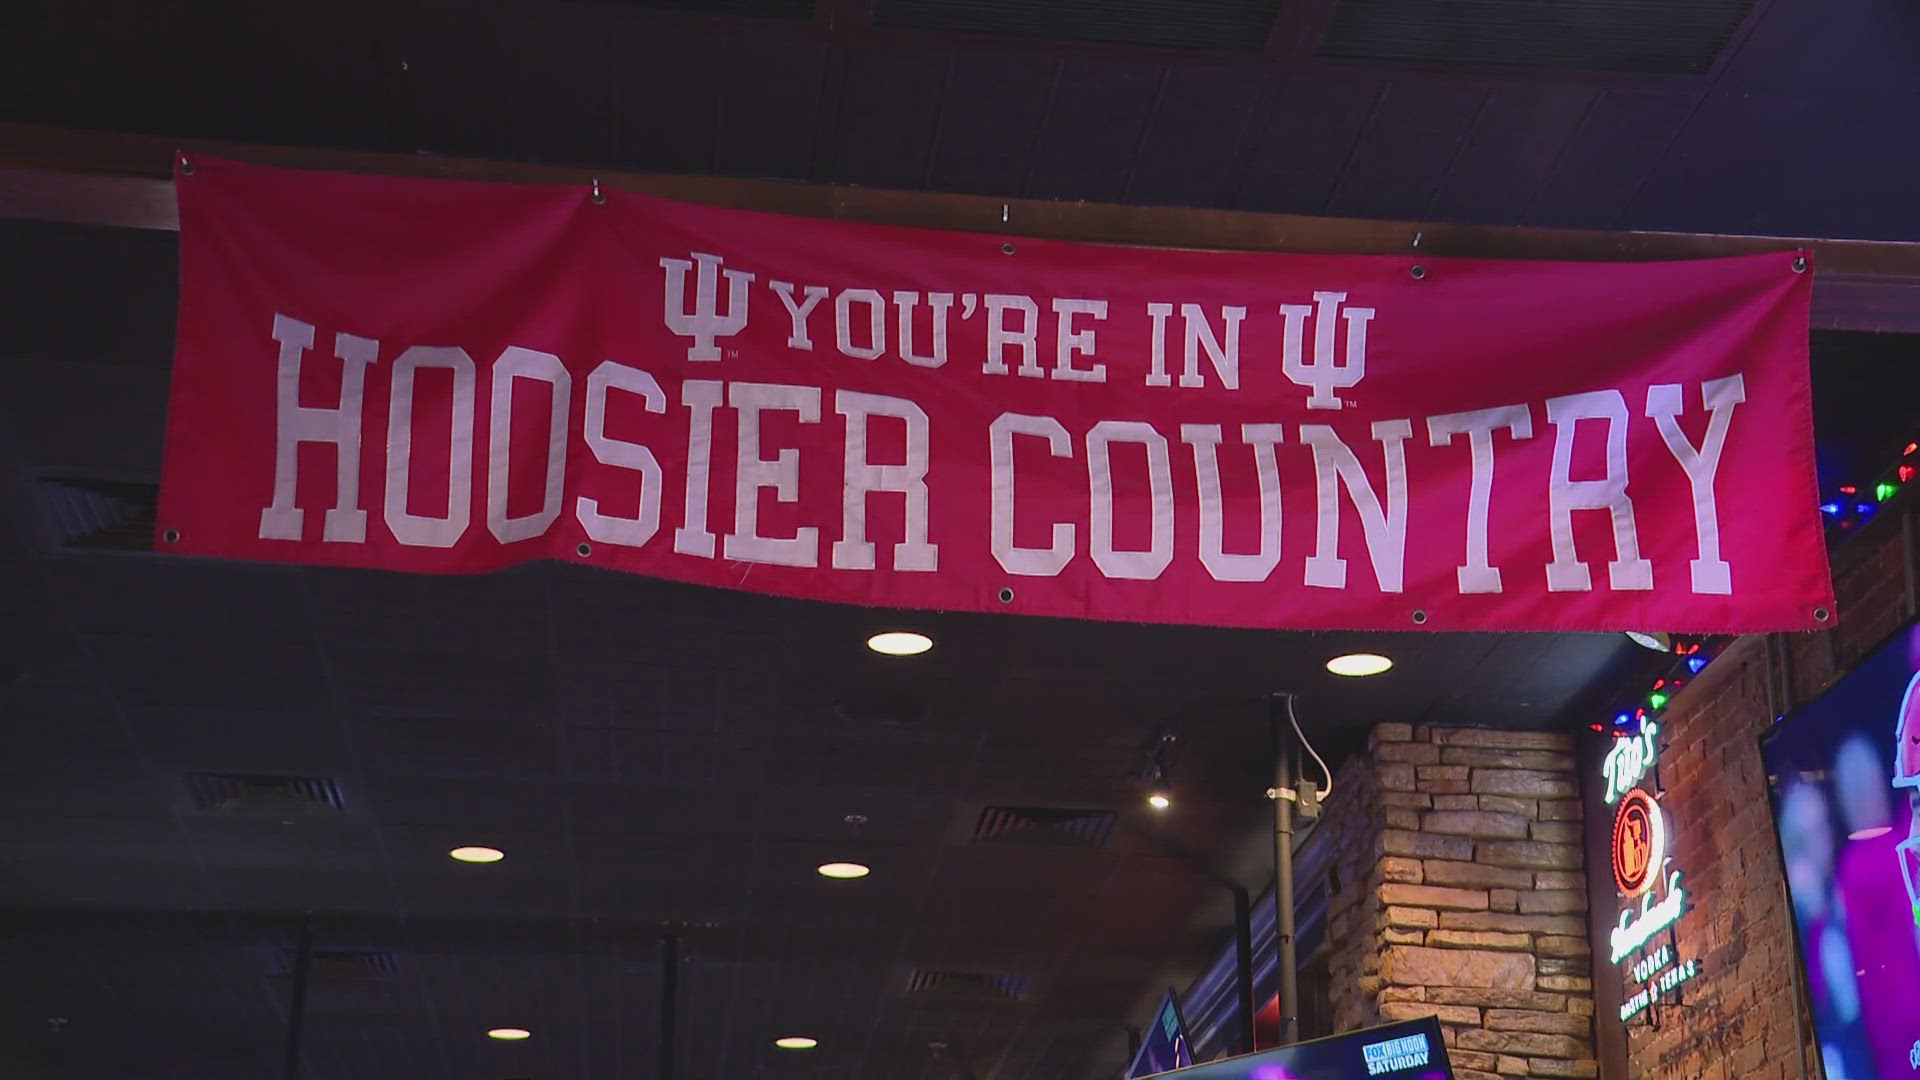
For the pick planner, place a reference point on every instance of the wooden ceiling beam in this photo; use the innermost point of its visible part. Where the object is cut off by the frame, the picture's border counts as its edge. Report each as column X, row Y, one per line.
column 106, row 178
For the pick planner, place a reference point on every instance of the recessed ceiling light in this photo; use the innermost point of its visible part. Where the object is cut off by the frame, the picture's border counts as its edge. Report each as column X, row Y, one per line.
column 1656, row 642
column 509, row 1034
column 843, row 870
column 796, row 1042
column 477, row 854
column 1358, row 664
column 900, row 643
column 1159, row 801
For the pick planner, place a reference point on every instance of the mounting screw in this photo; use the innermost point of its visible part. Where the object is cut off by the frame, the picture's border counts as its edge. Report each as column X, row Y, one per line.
column 1006, row 596
column 1006, row 249
column 1419, row 617
column 186, row 165
column 1799, row 264
column 585, row 549
column 1821, row 614
column 1418, row 272
column 171, row 536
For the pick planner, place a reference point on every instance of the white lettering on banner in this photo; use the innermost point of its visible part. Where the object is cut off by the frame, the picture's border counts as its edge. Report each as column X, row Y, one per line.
column 781, row 473
column 1205, row 440
column 1385, row 527
column 1711, row 574
column 1566, row 573
column 1150, row 563
column 1478, row 575
column 1000, row 335
column 426, row 530
column 1323, row 376
column 1380, row 502
column 705, row 323
column 1629, row 760
column 345, row 521
column 1199, row 335
column 1014, row 559
column 905, row 302
column 604, row 528
column 1158, row 314
column 799, row 338
column 1654, row 916
column 518, row 363
column 1071, row 341
column 853, row 551
column 843, row 323
column 701, row 397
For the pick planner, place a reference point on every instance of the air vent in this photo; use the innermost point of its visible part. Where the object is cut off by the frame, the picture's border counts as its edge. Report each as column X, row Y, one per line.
column 237, row 793
column 752, row 9
column 967, row 985
column 1225, row 25
column 354, row 965
column 98, row 515
column 1642, row 36
column 1043, row 825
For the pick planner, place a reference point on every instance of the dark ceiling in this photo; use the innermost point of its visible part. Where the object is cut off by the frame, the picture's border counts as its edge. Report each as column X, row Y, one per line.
column 654, row 754
column 1792, row 127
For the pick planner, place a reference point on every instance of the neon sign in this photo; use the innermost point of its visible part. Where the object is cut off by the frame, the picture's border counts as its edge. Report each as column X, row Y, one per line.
column 1640, row 836
column 1628, row 761
column 1639, row 844
column 1635, row 931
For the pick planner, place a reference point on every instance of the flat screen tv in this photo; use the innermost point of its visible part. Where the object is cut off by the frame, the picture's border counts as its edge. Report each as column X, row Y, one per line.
column 1164, row 1047
column 1845, row 779
column 1411, row 1050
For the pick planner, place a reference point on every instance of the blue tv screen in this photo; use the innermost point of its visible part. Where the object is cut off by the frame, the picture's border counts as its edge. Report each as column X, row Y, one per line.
column 1845, row 779
column 1165, row 1046
column 1411, row 1050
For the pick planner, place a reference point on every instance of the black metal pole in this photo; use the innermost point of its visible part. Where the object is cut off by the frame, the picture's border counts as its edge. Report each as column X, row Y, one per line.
column 1283, row 782
column 1243, row 965
column 669, row 985
column 297, row 1011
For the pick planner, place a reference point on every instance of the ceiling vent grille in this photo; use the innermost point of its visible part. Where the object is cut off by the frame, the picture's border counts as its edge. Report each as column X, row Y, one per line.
column 244, row 793
column 1043, row 825
column 752, row 9
column 1223, row 25
column 354, row 965
column 98, row 515
column 1636, row 36
column 967, row 985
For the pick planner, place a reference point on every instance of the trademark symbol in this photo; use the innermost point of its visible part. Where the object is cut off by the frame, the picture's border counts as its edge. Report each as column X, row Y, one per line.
column 733, row 354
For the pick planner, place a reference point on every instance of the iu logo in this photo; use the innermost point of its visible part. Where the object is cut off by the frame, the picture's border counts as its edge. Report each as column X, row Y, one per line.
column 1324, row 374
column 705, row 322
column 1639, row 843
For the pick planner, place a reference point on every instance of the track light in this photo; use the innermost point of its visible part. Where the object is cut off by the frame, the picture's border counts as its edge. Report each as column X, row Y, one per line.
column 1153, row 772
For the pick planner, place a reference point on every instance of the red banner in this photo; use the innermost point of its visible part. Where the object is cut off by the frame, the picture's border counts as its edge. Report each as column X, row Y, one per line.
column 452, row 377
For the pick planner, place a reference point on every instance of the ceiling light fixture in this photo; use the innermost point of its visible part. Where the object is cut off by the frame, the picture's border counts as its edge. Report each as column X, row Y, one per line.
column 1159, row 799
column 509, row 1034
column 1656, row 642
column 796, row 1042
column 1356, row 665
column 900, row 643
column 1870, row 832
column 476, row 854
column 844, row 871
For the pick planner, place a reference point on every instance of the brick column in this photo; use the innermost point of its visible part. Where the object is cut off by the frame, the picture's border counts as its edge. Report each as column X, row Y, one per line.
column 1459, row 892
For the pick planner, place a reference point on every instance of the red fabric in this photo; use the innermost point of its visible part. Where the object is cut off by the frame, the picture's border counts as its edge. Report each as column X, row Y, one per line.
column 509, row 271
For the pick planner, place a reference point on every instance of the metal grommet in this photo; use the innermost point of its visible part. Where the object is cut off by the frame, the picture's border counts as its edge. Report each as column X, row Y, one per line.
column 1006, row 249
column 1418, row 272
column 598, row 197
column 1799, row 264
column 1006, row 596
column 1419, row 618
column 171, row 536
column 585, row 549
column 186, row 166
column 1821, row 614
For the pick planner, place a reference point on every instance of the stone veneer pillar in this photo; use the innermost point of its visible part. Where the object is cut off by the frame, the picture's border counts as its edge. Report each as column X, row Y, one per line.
column 1458, row 891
